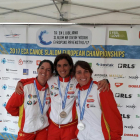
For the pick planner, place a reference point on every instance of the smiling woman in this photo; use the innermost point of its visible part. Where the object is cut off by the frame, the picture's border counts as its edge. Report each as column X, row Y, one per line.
column 32, row 106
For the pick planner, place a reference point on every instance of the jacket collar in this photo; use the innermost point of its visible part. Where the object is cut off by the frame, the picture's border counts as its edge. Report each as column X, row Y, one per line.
column 64, row 79
column 39, row 87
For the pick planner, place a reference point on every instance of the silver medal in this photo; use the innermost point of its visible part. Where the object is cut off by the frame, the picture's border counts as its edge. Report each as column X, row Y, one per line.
column 42, row 119
column 80, row 126
column 63, row 114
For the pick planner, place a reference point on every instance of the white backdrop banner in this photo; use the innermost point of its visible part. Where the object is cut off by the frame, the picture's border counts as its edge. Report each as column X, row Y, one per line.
column 112, row 51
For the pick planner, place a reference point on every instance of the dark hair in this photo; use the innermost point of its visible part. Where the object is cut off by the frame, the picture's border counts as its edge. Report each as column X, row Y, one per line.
column 84, row 65
column 48, row 61
column 60, row 57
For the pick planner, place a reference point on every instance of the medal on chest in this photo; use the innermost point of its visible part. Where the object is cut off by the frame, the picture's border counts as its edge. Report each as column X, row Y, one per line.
column 42, row 119
column 81, row 125
column 63, row 114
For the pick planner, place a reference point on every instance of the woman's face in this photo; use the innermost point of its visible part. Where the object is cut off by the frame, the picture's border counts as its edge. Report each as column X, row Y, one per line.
column 82, row 76
column 44, row 72
column 63, row 68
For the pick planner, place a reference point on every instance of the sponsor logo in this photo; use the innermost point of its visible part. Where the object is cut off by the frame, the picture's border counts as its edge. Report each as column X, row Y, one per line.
column 130, row 66
column 56, row 88
column 3, row 61
column 11, row 130
column 0, row 113
column 129, row 127
column 71, row 92
column 6, row 120
column 118, row 84
column 38, row 62
column 29, row 102
column 11, row 71
column 30, row 96
column 117, row 76
column 90, row 64
column 34, row 102
column 121, row 95
column 137, row 116
column 118, row 105
column 56, row 84
column 125, row 116
column 20, row 62
column 43, row 42
column 131, row 106
column 0, row 120
column 138, row 95
column 25, row 71
column 100, row 75
column 4, row 104
column 16, row 79
column 4, row 87
column 5, row 128
column 122, row 35
column 134, row 86
column 90, row 105
column 55, row 94
column 90, row 96
column 51, row 92
column 8, row 96
column 12, row 35
column 34, row 96
column 5, row 78
column 134, row 135
column 134, row 77
column 34, row 72
column 105, row 65
column 90, row 100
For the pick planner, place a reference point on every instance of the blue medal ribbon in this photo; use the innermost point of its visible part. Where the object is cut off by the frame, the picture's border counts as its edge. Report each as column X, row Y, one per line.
column 65, row 97
column 82, row 111
column 39, row 101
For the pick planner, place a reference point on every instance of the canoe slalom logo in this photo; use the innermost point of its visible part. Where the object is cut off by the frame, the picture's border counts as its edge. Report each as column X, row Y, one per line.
column 41, row 38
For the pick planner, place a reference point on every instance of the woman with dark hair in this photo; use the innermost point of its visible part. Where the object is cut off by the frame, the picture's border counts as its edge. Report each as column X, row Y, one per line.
column 98, row 115
column 33, row 104
column 63, row 116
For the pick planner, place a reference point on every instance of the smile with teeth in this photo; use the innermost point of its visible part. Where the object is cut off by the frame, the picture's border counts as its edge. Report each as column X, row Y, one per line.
column 83, row 79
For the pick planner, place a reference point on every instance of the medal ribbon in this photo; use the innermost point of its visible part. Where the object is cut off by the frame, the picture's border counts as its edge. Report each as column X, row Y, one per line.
column 39, row 101
column 65, row 96
column 83, row 108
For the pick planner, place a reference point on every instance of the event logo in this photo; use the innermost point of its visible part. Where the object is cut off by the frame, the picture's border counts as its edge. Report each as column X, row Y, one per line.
column 30, row 96
column 134, row 77
column 118, row 35
column 129, row 127
column 126, row 116
column 134, row 86
column 131, row 106
column 4, row 87
column 3, row 61
column 105, row 65
column 121, row 95
column 130, row 66
column 118, row 84
column 42, row 41
column 117, row 76
column 25, row 71
column 12, row 35
column 101, row 75
column 37, row 62
column 5, row 128
column 134, row 135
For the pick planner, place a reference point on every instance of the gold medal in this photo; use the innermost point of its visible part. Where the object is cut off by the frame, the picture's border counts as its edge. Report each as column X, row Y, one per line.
column 63, row 114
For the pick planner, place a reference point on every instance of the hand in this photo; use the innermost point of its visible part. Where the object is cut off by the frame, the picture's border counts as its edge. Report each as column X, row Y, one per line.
column 19, row 88
column 103, row 85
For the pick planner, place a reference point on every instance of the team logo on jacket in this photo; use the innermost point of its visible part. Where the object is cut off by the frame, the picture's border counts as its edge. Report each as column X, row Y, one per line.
column 90, row 100
column 34, row 102
column 55, row 94
column 29, row 102
column 51, row 92
column 90, row 105
column 52, row 86
column 30, row 96
column 71, row 92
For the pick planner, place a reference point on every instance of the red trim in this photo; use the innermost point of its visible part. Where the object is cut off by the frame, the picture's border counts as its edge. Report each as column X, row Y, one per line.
column 74, row 111
column 85, row 86
column 65, row 79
